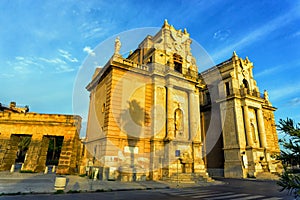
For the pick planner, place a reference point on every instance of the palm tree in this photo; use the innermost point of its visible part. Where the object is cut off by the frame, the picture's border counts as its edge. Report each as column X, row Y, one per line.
column 290, row 179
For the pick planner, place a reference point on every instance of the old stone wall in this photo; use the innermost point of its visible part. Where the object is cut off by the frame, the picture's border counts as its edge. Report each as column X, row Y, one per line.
column 40, row 127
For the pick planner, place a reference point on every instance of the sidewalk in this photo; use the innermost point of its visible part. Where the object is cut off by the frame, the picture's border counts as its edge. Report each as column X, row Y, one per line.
column 24, row 183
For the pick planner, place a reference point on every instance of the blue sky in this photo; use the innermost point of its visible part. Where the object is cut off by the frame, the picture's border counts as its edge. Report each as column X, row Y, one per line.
column 43, row 44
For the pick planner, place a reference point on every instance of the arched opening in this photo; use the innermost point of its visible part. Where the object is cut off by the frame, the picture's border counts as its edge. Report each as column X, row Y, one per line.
column 177, row 63
column 245, row 84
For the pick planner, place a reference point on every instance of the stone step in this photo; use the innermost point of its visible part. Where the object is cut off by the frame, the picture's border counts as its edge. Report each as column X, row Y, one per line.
column 267, row 176
column 189, row 178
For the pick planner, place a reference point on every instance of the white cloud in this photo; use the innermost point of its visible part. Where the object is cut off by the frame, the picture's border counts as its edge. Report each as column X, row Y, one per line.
column 54, row 61
column 290, row 65
column 221, row 35
column 259, row 33
column 5, row 75
column 28, row 61
column 20, row 58
column 95, row 29
column 88, row 50
column 295, row 101
column 59, row 65
column 67, row 55
column 267, row 71
column 21, row 69
column 26, row 65
column 296, row 34
column 284, row 91
column 64, row 68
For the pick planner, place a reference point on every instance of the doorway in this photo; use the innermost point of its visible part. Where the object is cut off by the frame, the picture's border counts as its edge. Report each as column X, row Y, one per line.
column 23, row 142
column 54, row 150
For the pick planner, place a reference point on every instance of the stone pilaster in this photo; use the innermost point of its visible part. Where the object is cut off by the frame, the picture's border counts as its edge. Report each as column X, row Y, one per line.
column 64, row 166
column 154, row 113
column 261, row 128
column 8, row 152
column 192, row 128
column 41, row 163
column 195, row 122
column 170, row 114
column 199, row 166
column 74, row 162
column 156, row 160
column 167, row 159
column 37, row 153
column 247, row 126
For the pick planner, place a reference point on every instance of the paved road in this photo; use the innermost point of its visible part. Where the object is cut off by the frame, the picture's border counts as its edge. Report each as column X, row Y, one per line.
column 255, row 187
column 232, row 189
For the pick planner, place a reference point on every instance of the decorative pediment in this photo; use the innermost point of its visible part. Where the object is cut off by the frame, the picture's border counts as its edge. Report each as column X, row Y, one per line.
column 176, row 41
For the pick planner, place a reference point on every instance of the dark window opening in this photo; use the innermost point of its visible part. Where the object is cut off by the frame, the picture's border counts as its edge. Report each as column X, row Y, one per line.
column 177, row 63
column 245, row 83
column 208, row 99
column 227, row 88
column 23, row 145
column 178, row 67
column 54, row 149
column 83, row 150
column 241, row 65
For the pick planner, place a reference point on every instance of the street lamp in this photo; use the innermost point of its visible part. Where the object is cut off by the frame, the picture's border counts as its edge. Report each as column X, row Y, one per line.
column 177, row 154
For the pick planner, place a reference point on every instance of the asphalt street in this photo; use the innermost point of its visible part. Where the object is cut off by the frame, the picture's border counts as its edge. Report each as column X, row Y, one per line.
column 236, row 189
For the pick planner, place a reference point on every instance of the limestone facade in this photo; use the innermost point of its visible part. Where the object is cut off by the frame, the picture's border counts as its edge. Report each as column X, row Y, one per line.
column 152, row 115
column 15, row 123
column 248, row 144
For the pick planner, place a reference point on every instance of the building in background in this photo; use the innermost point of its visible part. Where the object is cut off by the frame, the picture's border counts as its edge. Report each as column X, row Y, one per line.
column 153, row 116
column 36, row 140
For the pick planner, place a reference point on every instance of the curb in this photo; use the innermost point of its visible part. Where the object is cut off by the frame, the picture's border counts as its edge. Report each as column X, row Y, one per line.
column 85, row 191
column 101, row 187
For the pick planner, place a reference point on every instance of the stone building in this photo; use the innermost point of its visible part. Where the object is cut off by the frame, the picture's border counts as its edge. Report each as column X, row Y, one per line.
column 17, row 124
column 153, row 116
column 248, row 144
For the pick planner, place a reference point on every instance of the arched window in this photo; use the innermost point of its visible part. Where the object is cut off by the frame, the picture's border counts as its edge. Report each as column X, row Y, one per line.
column 177, row 63
column 245, row 84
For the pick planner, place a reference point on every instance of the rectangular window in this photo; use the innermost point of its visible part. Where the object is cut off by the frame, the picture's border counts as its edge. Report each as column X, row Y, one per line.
column 178, row 67
column 131, row 149
column 227, row 87
column 208, row 100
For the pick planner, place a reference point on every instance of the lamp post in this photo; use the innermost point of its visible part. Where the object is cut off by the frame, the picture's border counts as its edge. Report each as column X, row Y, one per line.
column 177, row 154
column 177, row 174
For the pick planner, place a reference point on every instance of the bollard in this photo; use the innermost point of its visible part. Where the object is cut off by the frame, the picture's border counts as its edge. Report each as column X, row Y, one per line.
column 60, row 183
column 53, row 169
column 46, row 170
column 12, row 169
column 96, row 173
